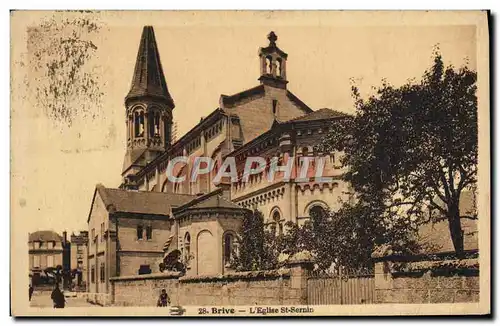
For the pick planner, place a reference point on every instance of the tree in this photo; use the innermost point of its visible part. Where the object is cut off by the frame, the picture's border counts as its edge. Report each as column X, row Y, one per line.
column 412, row 148
column 251, row 249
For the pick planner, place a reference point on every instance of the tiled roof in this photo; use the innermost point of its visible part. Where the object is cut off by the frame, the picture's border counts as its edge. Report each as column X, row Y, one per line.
column 148, row 79
column 321, row 114
column 213, row 199
column 230, row 100
column 46, row 235
column 141, row 202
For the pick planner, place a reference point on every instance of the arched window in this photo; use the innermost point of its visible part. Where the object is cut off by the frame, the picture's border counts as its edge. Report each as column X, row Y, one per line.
column 279, row 68
column 277, row 222
column 317, row 211
column 181, row 187
column 187, row 248
column 139, row 124
column 269, row 65
column 157, row 124
column 228, row 248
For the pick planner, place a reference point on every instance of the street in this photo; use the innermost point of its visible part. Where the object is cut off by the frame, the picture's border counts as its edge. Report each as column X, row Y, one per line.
column 42, row 299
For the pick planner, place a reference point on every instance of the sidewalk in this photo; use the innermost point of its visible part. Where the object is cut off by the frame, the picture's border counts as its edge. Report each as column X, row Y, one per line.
column 42, row 299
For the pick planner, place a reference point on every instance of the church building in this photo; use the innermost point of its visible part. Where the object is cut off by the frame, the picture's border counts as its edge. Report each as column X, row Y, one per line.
column 133, row 225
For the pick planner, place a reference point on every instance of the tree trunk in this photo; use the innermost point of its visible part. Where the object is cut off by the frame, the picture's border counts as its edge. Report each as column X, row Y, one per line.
column 457, row 235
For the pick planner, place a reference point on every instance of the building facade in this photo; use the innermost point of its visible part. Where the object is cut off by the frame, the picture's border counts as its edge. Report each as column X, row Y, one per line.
column 78, row 259
column 131, row 227
column 45, row 251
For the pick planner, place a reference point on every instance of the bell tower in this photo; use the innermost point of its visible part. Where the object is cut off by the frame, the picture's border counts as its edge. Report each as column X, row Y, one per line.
column 273, row 64
column 148, row 108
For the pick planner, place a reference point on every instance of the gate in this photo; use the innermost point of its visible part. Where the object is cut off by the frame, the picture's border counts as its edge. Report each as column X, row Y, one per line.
column 340, row 289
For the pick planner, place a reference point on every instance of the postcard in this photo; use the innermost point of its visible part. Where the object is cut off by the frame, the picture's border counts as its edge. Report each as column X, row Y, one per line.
column 250, row 163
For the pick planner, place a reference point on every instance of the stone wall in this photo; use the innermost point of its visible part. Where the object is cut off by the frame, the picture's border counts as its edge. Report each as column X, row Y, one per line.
column 278, row 287
column 426, row 281
column 143, row 290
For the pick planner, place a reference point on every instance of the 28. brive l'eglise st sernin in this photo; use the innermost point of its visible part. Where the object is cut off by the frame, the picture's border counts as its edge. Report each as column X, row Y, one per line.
column 130, row 225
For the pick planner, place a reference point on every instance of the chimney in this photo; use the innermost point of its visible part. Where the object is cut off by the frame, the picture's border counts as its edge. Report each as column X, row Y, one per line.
column 65, row 237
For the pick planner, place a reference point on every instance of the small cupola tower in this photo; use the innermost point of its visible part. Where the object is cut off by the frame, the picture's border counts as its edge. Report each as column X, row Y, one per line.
column 273, row 64
column 148, row 108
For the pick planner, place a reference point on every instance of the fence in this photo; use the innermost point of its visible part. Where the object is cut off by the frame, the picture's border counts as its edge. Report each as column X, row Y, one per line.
column 341, row 289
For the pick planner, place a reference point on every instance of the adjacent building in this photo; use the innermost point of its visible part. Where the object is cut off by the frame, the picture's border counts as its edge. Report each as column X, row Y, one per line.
column 45, row 251
column 78, row 257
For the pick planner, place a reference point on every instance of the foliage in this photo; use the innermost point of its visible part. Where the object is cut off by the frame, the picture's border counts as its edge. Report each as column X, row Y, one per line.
column 251, row 248
column 412, row 148
column 65, row 82
column 408, row 149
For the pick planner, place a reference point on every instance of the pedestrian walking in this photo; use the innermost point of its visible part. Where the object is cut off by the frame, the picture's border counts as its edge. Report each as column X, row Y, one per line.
column 58, row 297
column 31, row 291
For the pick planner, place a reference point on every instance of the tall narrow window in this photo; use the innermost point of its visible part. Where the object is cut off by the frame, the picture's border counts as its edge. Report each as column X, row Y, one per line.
column 102, row 231
column 139, row 124
column 157, row 124
column 275, row 104
column 269, row 65
column 277, row 222
column 92, row 274
column 102, row 273
column 50, row 261
column 149, row 232
column 279, row 68
column 187, row 247
column 36, row 261
column 136, row 124
column 228, row 247
column 139, row 232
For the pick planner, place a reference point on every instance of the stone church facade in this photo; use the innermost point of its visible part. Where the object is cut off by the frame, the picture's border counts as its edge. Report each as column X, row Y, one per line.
column 132, row 226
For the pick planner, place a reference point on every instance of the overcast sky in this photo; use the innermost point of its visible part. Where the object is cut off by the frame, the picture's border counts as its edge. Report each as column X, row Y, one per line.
column 203, row 56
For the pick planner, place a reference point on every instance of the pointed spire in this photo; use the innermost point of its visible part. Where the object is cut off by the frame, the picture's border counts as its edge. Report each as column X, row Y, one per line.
column 148, row 79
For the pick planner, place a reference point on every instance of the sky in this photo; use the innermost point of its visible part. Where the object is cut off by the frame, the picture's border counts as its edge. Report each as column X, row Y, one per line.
column 55, row 168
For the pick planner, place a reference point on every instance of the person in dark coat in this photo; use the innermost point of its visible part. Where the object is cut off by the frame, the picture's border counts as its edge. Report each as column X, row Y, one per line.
column 31, row 291
column 58, row 297
column 163, row 300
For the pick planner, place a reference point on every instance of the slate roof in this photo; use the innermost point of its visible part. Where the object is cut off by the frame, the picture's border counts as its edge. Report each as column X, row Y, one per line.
column 44, row 236
column 148, row 79
column 141, row 202
column 213, row 199
column 321, row 114
column 231, row 100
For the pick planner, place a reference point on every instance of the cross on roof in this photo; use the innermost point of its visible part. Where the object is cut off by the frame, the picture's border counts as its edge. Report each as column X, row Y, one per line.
column 272, row 38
